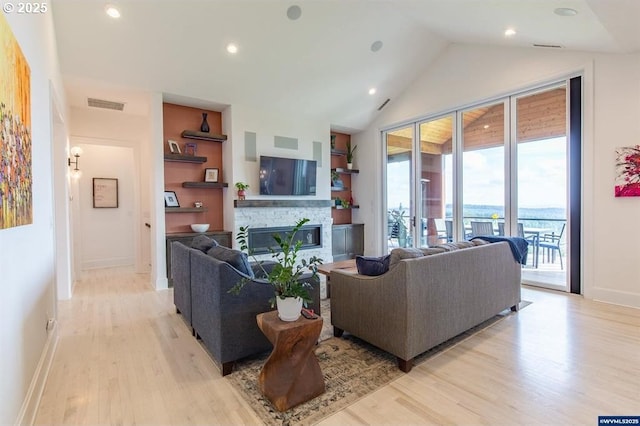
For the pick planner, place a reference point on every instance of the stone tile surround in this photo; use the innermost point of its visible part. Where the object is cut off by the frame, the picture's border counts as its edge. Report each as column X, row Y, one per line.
column 264, row 217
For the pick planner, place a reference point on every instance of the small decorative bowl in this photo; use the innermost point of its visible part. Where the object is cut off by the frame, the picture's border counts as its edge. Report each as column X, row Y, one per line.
column 200, row 227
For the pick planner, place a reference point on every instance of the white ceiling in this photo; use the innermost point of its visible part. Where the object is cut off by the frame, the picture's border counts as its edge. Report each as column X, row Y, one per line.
column 320, row 65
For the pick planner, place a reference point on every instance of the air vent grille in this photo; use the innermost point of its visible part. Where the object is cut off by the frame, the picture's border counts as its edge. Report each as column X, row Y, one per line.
column 100, row 103
column 547, row 46
column 384, row 104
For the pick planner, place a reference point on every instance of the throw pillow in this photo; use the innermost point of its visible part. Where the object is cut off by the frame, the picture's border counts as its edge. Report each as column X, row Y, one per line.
column 203, row 243
column 479, row 242
column 235, row 258
column 398, row 254
column 431, row 250
column 372, row 266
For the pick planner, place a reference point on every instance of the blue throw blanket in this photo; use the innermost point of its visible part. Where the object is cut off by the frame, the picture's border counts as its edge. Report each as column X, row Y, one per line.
column 519, row 246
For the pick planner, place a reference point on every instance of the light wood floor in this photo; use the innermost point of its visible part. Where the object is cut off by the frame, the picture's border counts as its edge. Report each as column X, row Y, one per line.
column 125, row 357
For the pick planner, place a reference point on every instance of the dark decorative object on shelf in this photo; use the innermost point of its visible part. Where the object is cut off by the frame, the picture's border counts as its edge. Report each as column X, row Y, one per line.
column 204, row 127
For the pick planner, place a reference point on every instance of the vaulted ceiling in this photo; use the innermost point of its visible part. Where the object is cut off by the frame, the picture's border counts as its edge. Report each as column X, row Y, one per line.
column 321, row 64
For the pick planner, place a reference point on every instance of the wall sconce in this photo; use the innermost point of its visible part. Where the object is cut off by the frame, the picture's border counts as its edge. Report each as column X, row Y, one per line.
column 76, row 151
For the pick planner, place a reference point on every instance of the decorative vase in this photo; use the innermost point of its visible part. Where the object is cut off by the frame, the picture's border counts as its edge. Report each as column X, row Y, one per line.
column 204, row 127
column 241, row 194
column 289, row 308
column 349, row 166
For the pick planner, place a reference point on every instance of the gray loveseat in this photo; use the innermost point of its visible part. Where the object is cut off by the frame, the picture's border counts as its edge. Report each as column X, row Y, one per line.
column 424, row 301
column 225, row 322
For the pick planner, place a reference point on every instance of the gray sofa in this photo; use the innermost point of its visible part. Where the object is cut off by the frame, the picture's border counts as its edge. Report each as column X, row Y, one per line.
column 225, row 322
column 425, row 300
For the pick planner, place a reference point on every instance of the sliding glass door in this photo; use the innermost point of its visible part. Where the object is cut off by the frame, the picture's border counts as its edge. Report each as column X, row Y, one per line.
column 542, row 185
column 493, row 169
column 400, row 205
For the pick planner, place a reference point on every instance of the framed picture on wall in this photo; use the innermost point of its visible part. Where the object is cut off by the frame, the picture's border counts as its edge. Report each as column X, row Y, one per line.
column 105, row 193
column 171, row 199
column 211, row 175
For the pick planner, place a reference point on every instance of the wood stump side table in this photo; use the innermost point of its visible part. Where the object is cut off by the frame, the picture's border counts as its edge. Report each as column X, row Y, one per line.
column 291, row 375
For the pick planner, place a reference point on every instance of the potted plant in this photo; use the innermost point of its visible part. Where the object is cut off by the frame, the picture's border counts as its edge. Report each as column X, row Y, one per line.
column 290, row 292
column 350, row 152
column 241, row 187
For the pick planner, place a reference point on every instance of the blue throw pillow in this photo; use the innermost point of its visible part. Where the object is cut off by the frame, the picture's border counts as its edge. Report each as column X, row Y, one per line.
column 372, row 266
column 235, row 258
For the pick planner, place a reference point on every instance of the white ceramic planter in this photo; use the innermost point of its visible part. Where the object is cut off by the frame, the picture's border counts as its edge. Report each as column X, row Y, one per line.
column 289, row 308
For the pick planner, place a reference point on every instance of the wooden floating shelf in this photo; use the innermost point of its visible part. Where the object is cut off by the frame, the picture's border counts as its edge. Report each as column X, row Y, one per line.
column 184, row 158
column 345, row 171
column 204, row 184
column 338, row 152
column 346, row 208
column 339, row 188
column 281, row 203
column 185, row 209
column 202, row 136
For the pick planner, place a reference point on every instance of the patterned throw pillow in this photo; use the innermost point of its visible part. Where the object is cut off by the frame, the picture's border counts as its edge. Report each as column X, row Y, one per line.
column 235, row 258
column 372, row 266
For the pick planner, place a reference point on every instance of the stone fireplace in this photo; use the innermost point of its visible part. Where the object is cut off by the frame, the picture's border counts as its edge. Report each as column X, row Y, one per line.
column 265, row 217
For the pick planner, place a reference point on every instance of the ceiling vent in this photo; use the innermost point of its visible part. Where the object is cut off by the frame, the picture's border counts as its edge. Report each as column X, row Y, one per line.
column 384, row 104
column 547, row 46
column 100, row 103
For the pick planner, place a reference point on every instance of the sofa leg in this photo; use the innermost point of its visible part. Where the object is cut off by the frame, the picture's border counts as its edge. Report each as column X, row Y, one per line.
column 227, row 368
column 337, row 332
column 405, row 365
column 515, row 308
column 193, row 332
column 177, row 310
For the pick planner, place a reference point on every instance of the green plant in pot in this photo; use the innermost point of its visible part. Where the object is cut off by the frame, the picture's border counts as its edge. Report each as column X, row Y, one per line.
column 286, row 275
column 242, row 190
column 350, row 151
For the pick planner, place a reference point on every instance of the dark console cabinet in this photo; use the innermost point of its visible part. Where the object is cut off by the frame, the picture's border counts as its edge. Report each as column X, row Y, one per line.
column 347, row 241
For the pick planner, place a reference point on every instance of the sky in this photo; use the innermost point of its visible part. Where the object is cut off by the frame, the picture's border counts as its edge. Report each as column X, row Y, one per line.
column 541, row 176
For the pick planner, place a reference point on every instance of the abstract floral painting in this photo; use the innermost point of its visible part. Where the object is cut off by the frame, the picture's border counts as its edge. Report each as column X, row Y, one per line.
column 15, row 132
column 628, row 171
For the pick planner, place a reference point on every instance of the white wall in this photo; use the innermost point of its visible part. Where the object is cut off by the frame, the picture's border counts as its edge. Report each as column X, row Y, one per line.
column 266, row 124
column 27, row 263
column 106, row 235
column 113, row 144
column 468, row 74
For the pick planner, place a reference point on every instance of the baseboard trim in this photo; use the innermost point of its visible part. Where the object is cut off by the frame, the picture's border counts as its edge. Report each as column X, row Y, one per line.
column 29, row 409
column 616, row 297
column 107, row 263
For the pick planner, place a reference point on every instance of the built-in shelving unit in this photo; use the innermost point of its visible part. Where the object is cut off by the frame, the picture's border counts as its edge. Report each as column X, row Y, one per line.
column 201, row 136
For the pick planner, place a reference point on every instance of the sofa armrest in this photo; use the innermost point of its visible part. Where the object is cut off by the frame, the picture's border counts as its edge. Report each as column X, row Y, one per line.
column 373, row 308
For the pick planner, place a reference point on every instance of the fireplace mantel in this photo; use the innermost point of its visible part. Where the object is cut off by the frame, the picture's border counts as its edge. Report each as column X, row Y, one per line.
column 281, row 203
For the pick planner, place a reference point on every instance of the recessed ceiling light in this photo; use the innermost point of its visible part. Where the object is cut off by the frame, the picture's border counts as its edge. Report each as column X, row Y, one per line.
column 232, row 48
column 376, row 45
column 372, row 91
column 294, row 12
column 509, row 32
column 112, row 11
column 565, row 11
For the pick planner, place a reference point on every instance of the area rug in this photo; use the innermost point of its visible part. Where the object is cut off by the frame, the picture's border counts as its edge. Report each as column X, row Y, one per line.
column 351, row 367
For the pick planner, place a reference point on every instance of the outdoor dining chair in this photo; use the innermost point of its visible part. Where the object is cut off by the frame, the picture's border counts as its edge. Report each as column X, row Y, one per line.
column 550, row 243
column 481, row 228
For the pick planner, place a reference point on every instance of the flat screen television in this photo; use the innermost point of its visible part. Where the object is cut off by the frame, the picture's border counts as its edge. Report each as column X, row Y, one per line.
column 287, row 176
